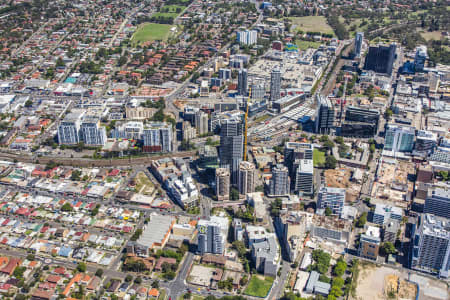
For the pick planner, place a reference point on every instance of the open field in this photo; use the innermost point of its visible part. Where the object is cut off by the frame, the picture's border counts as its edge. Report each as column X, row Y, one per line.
column 311, row 23
column 432, row 35
column 318, row 157
column 259, row 286
column 170, row 11
column 303, row 45
column 151, row 32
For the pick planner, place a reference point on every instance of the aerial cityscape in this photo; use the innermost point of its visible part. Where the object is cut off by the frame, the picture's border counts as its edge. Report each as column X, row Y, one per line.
column 211, row 149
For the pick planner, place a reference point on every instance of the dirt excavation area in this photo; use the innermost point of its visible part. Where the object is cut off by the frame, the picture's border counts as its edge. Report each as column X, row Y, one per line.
column 376, row 283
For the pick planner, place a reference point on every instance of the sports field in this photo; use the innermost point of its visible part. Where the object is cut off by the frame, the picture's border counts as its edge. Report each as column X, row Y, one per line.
column 170, row 11
column 312, row 24
column 151, row 32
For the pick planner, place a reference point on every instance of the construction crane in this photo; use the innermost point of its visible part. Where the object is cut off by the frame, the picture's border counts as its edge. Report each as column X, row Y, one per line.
column 246, row 124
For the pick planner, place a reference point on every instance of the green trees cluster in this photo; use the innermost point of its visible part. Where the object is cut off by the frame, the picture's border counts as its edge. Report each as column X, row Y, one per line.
column 321, row 261
column 361, row 220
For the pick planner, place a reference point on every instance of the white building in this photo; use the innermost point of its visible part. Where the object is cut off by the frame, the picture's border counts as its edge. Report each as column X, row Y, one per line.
column 247, row 37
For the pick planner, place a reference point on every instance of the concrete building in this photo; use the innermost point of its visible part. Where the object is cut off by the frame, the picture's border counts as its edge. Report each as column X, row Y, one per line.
column 420, row 58
column 247, row 37
column 333, row 198
column 258, row 91
column 358, row 114
column 201, row 122
column 68, row 129
column 139, row 112
column 91, row 133
column 430, row 251
column 275, row 84
column 369, row 243
column 157, row 232
column 222, row 184
column 246, row 181
column 212, row 235
column 157, row 137
column 238, row 230
column 129, row 130
column 325, row 114
column 242, row 82
column 331, row 229
column 381, row 59
column 438, row 201
column 256, row 200
column 279, row 184
column 314, row 286
column 304, row 177
column 188, row 131
column 290, row 227
column 359, row 37
column 399, row 138
column 426, row 142
column 231, row 146
column 224, row 73
column 385, row 213
column 265, row 255
column 433, row 81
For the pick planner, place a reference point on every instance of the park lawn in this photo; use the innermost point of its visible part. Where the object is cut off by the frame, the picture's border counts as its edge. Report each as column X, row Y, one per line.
column 303, row 45
column 162, row 294
column 259, row 287
column 151, row 32
column 318, row 157
column 312, row 24
column 172, row 11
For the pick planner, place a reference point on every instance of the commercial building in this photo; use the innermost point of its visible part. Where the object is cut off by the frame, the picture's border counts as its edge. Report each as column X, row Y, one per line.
column 256, row 200
column 331, row 229
column 212, row 235
column 68, row 129
column 238, row 230
column 188, row 131
column 420, row 58
column 430, row 251
column 385, row 213
column 287, row 102
column 290, row 227
column 358, row 114
column 279, row 184
column 222, row 184
column 325, row 114
column 201, row 122
column 333, row 198
column 399, row 138
column 381, row 59
column 156, row 232
column 304, row 177
column 231, row 146
column 242, row 82
column 315, row 286
column 426, row 142
column 139, row 112
column 157, row 137
column 359, row 37
column 246, row 181
column 358, row 129
column 90, row 131
column 369, row 243
column 275, row 84
column 247, row 37
column 438, row 201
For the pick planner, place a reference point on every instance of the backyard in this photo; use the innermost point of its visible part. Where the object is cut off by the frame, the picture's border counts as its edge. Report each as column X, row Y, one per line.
column 312, row 24
column 151, row 32
column 259, row 286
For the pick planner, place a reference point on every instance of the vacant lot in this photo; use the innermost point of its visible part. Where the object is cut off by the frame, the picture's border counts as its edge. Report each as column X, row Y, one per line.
column 312, row 23
column 151, row 32
column 432, row 35
column 259, row 286
column 318, row 157
column 143, row 184
column 303, row 45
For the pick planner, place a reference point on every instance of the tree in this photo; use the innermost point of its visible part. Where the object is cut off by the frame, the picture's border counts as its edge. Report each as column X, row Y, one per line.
column 138, row 280
column 99, row 273
column 388, row 113
column 234, row 194
column 388, row 248
column 129, row 278
column 330, row 162
column 240, row 248
column 29, row 103
column 81, row 267
column 30, row 257
column 155, row 284
column 362, row 220
column 66, row 207
column 328, row 211
column 340, row 267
